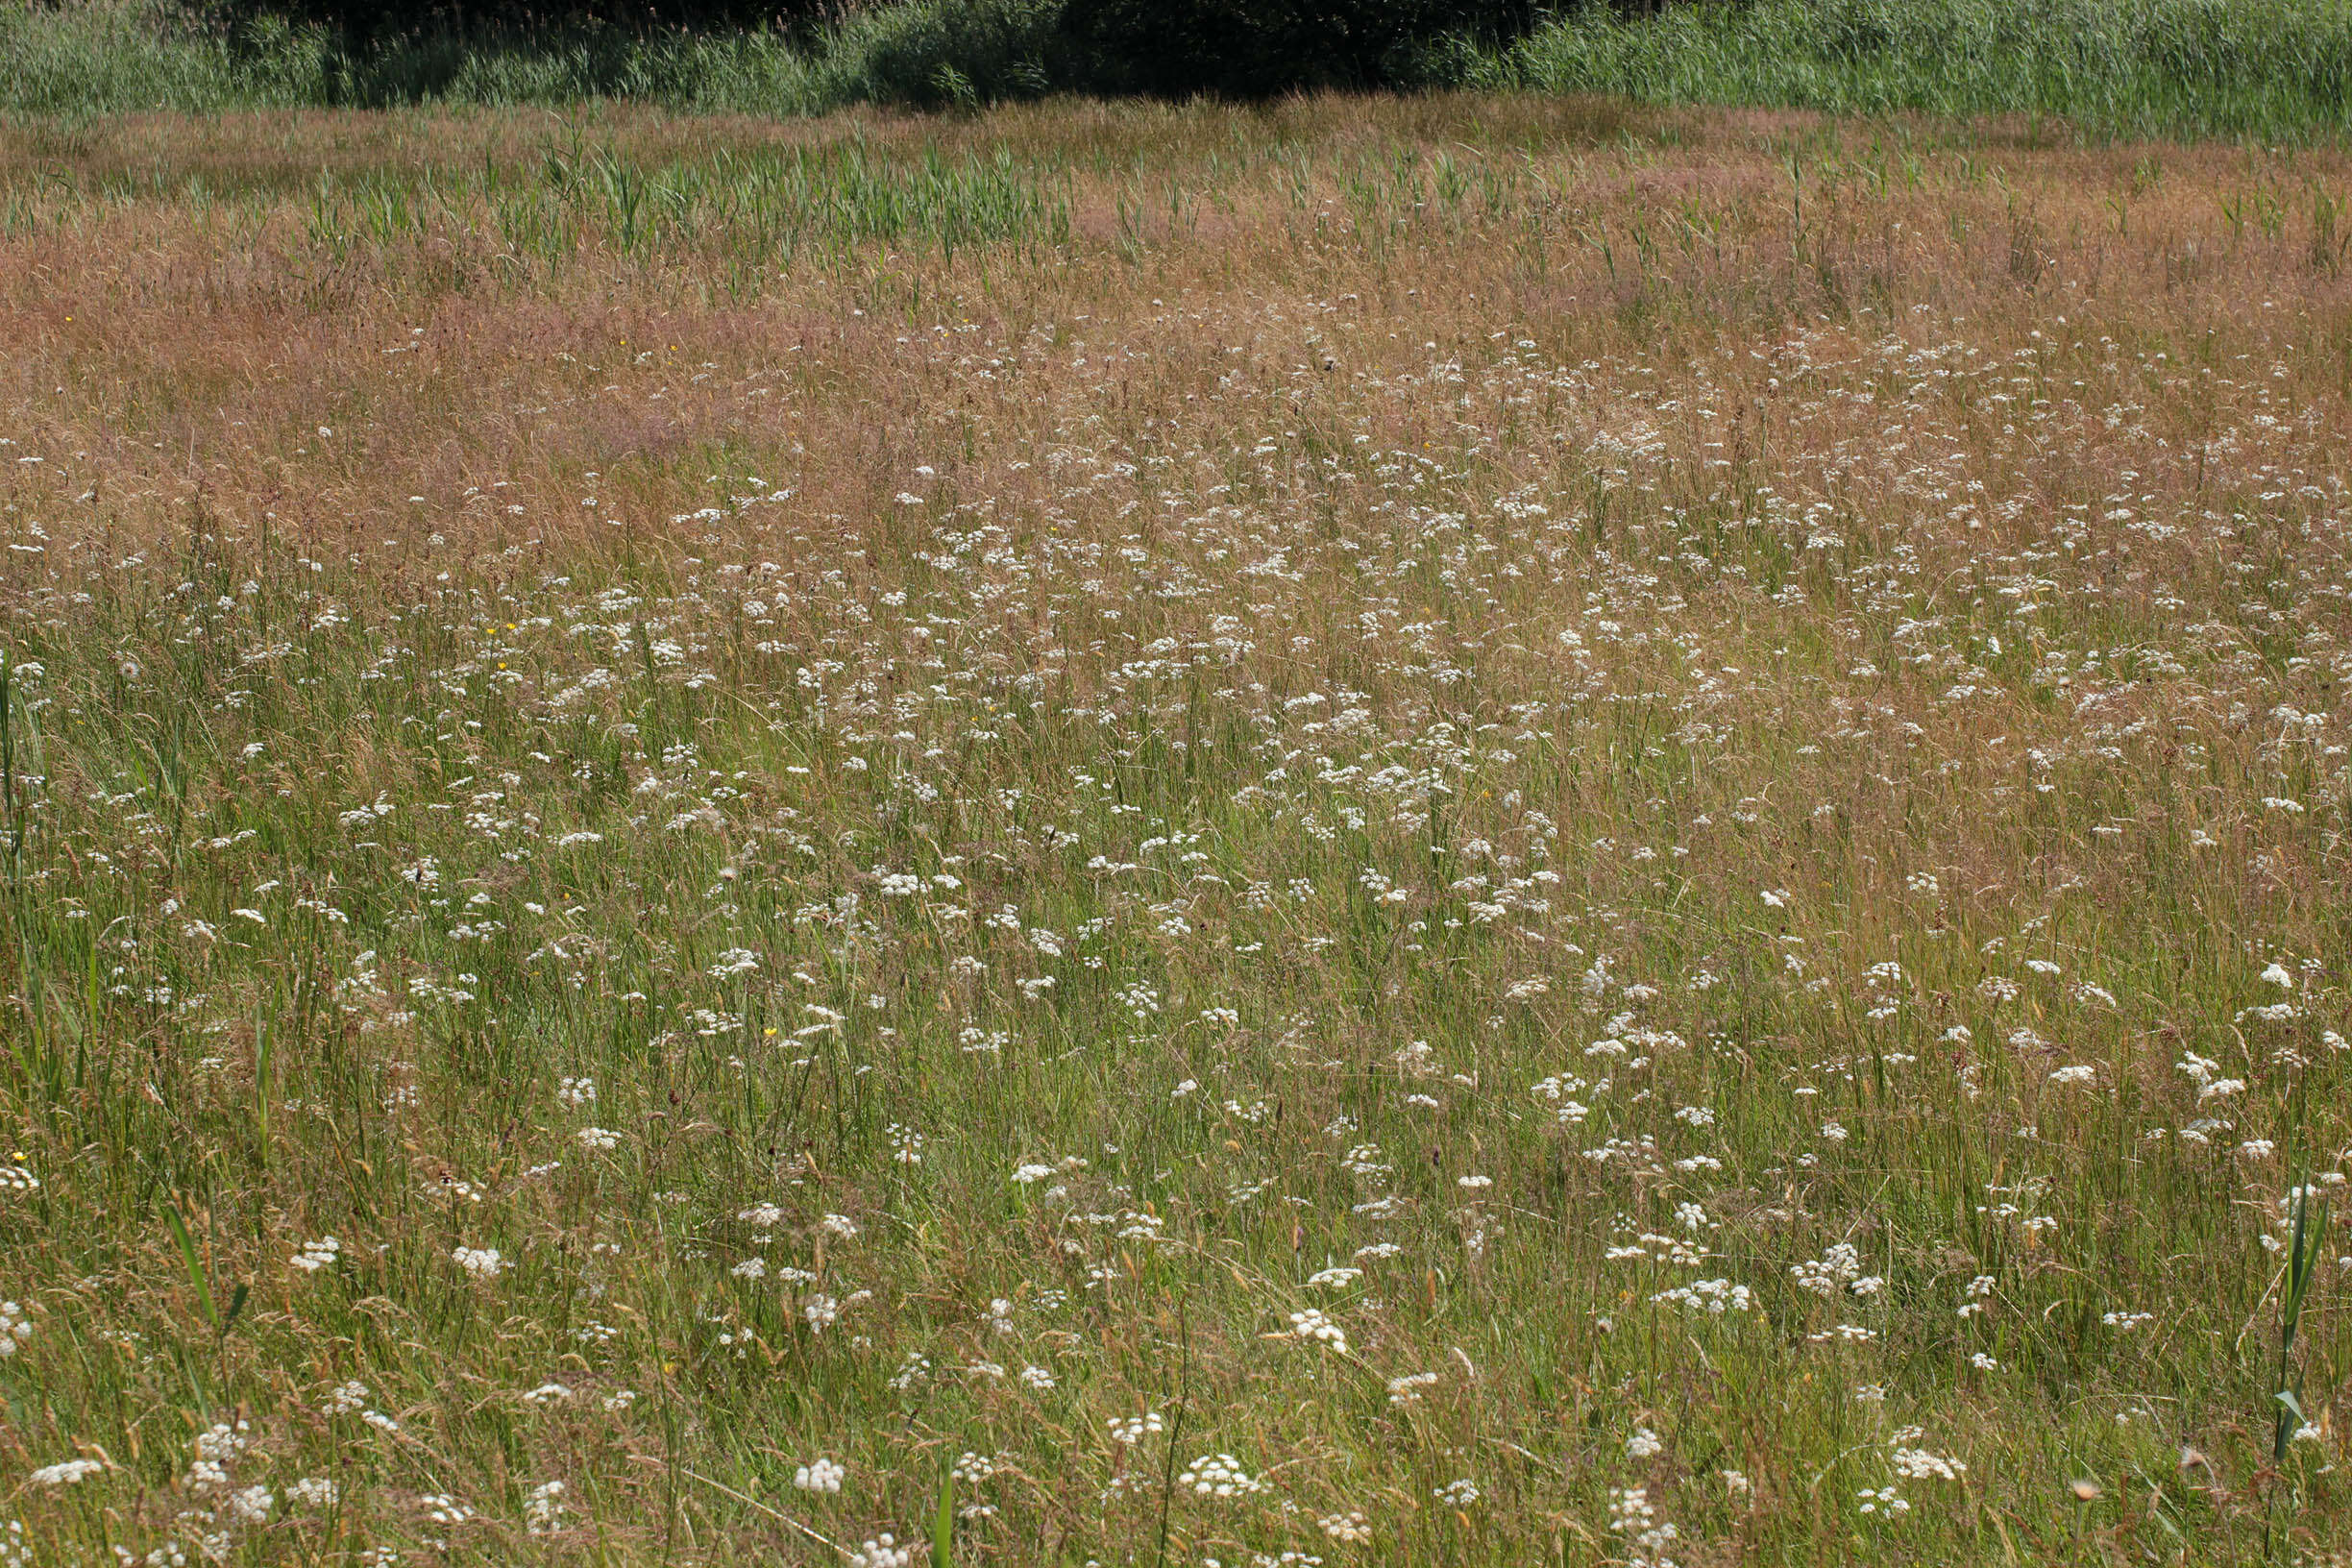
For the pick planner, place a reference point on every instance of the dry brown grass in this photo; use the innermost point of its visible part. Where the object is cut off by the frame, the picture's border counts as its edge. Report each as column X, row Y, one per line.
column 161, row 273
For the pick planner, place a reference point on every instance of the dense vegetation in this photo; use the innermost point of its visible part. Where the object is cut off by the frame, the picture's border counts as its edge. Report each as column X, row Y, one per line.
column 1449, row 831
column 2272, row 69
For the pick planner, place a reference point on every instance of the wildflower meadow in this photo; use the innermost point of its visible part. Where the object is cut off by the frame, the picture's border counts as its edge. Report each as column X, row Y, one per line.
column 1478, row 829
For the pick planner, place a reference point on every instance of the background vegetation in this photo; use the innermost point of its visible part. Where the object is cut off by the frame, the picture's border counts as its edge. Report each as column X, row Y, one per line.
column 2270, row 69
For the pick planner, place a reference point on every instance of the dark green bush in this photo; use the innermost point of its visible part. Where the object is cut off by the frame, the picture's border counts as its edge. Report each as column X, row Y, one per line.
column 1258, row 48
column 905, row 51
column 956, row 53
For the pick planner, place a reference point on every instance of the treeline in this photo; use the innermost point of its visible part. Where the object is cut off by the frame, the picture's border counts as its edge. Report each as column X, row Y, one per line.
column 946, row 49
column 2273, row 69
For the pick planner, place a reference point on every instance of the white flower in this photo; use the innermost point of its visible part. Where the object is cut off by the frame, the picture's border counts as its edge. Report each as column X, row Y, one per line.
column 314, row 1492
column 1716, row 1297
column 1825, row 1275
column 1919, row 1464
column 218, row 1448
column 1632, row 1513
column 1219, row 1476
column 1311, row 1324
column 1644, row 1444
column 482, row 1263
column 821, row 1475
column 598, row 1137
column 1130, row 1430
column 1351, row 1527
column 543, row 1509
column 1406, row 1390
column 883, row 1551
column 317, row 1254
column 67, row 1473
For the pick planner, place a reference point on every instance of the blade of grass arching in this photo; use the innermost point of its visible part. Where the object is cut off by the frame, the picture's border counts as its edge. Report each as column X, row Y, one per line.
column 195, row 1265
column 2302, row 1259
column 261, row 1089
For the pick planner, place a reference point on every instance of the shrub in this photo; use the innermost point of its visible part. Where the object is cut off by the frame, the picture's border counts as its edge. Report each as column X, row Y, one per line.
column 954, row 53
column 1258, row 48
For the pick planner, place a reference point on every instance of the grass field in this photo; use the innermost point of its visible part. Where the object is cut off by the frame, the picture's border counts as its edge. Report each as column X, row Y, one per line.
column 1483, row 830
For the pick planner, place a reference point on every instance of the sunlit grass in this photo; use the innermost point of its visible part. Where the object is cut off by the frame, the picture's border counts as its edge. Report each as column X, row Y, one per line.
column 1429, row 831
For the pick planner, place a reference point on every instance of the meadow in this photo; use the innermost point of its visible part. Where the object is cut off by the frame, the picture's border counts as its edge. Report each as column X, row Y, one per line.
column 1485, row 829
